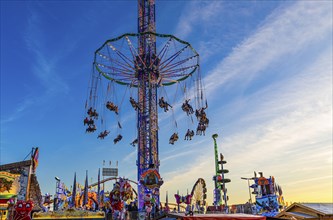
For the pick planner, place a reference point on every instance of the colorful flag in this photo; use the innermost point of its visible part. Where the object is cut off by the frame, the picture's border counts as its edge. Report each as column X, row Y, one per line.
column 74, row 191
column 35, row 159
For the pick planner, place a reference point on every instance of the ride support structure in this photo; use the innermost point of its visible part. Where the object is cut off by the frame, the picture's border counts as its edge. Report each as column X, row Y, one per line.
column 268, row 193
column 219, row 179
column 147, row 160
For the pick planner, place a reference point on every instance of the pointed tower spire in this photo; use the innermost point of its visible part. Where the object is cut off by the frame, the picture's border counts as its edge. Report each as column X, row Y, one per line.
column 99, row 187
column 85, row 193
column 74, row 191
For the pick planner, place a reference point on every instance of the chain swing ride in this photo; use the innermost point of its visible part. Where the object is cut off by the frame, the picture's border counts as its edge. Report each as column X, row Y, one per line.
column 145, row 63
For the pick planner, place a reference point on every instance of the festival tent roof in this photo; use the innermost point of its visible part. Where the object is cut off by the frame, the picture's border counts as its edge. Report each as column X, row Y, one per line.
column 238, row 216
column 307, row 211
column 326, row 208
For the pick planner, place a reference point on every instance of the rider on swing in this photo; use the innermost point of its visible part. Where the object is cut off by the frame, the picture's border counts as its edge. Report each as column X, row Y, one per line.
column 117, row 139
column 186, row 107
column 134, row 104
column 112, row 107
column 134, row 142
column 86, row 121
column 204, row 120
column 201, row 129
column 163, row 104
column 189, row 134
column 103, row 134
column 92, row 113
column 91, row 128
column 174, row 137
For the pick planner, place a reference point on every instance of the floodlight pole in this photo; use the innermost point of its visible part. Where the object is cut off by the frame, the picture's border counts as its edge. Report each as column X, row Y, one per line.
column 248, row 183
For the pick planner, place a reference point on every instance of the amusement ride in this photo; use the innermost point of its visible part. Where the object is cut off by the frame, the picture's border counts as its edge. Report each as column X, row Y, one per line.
column 142, row 66
column 198, row 195
column 219, row 178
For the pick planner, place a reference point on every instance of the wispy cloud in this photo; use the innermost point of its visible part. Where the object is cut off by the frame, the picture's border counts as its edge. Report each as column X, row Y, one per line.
column 290, row 133
column 290, row 120
column 181, row 153
column 129, row 158
column 199, row 12
column 45, row 67
column 18, row 111
column 283, row 34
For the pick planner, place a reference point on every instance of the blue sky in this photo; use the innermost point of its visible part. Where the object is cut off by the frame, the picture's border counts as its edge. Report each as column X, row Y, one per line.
column 267, row 71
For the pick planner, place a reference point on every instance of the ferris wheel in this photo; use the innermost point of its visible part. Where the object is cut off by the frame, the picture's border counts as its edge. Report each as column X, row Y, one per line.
column 199, row 196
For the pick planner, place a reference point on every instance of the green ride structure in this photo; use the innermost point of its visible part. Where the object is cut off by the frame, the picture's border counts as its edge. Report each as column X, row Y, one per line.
column 219, row 179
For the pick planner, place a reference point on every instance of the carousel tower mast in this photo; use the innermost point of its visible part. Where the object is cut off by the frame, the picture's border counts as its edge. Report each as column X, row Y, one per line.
column 147, row 97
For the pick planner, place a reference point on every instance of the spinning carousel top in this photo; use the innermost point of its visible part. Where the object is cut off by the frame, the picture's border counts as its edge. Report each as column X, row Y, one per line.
column 118, row 59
